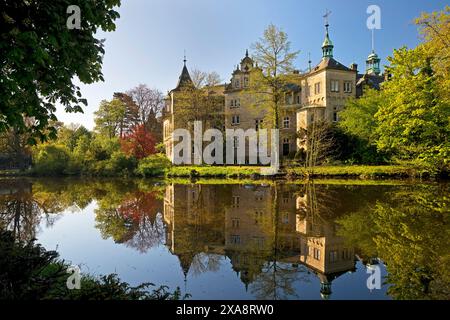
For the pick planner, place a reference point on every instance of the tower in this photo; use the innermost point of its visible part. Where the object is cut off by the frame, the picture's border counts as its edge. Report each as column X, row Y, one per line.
column 373, row 62
column 327, row 45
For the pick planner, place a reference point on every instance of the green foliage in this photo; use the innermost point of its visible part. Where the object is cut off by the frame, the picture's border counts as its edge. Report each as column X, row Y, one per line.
column 41, row 57
column 154, row 165
column 414, row 117
column 50, row 159
column 409, row 231
column 109, row 118
column 29, row 272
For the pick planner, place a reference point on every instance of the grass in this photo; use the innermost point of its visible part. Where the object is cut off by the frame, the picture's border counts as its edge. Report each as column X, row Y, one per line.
column 354, row 171
column 361, row 171
column 213, row 171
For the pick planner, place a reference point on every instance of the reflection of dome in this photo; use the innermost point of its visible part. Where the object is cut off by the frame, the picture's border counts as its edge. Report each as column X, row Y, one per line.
column 325, row 296
column 325, row 290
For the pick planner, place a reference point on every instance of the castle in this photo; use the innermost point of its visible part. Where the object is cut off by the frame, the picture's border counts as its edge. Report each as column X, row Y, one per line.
column 320, row 92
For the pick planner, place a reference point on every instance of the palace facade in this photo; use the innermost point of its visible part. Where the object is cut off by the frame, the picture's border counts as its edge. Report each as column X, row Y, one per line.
column 319, row 93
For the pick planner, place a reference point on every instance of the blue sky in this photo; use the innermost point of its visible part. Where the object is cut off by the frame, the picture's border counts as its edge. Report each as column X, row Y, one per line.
column 151, row 36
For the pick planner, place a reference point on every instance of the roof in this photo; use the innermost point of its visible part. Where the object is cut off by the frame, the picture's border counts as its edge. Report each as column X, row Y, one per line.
column 185, row 79
column 373, row 80
column 330, row 63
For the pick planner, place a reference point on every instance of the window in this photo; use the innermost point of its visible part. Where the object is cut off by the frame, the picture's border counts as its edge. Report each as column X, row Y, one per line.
column 258, row 216
column 347, row 86
column 235, row 239
column 235, row 223
column 235, row 120
column 285, row 218
column 308, row 93
column 335, row 116
column 236, row 142
column 316, row 254
column 236, row 201
column 288, row 99
column 333, row 256
column 317, row 88
column 258, row 124
column 245, row 82
column 298, row 99
column 286, row 122
column 311, row 118
column 286, row 149
column 237, row 83
column 334, row 86
column 235, row 103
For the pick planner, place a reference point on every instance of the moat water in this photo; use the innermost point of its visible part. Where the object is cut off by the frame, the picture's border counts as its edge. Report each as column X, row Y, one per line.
column 324, row 240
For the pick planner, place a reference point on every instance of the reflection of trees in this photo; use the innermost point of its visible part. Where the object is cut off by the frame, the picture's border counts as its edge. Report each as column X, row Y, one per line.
column 20, row 213
column 410, row 233
column 131, row 218
column 276, row 279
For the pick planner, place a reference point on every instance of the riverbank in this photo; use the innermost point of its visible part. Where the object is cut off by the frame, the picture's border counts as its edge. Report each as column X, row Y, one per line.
column 365, row 172
column 354, row 171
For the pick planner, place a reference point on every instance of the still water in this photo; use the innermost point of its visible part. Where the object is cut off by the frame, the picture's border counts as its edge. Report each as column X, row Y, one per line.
column 322, row 240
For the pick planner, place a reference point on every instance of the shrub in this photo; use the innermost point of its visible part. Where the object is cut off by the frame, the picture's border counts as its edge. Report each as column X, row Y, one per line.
column 50, row 159
column 154, row 165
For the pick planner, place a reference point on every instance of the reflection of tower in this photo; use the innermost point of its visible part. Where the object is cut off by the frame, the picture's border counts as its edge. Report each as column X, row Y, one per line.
column 321, row 249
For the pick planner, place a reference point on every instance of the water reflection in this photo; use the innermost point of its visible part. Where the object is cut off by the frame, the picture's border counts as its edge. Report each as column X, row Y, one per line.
column 274, row 235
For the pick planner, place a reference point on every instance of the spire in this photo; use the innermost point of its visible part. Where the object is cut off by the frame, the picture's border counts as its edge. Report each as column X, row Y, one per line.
column 327, row 45
column 373, row 61
column 246, row 53
column 185, row 79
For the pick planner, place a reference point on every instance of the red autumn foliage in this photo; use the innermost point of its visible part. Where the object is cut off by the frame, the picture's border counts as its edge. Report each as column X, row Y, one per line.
column 138, row 143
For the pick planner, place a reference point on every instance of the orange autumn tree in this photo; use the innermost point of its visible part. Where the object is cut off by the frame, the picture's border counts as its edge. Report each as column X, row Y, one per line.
column 138, row 143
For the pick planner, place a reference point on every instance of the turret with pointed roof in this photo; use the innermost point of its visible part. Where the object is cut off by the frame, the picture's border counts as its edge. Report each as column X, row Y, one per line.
column 184, row 81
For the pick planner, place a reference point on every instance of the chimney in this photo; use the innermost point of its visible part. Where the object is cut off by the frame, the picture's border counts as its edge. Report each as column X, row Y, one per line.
column 354, row 66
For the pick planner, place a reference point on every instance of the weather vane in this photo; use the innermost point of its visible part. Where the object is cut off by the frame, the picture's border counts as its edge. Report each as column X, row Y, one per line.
column 326, row 15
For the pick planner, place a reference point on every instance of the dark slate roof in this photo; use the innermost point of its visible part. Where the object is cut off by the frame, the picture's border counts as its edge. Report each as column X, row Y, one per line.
column 373, row 80
column 184, row 80
column 330, row 63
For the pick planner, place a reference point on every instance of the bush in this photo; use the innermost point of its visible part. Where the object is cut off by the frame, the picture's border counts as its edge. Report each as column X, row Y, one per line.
column 50, row 159
column 30, row 272
column 154, row 165
column 120, row 163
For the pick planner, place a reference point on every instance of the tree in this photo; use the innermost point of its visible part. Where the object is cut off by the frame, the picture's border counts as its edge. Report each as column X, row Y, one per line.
column 359, row 127
column 274, row 56
column 203, row 79
column 414, row 122
column 109, row 117
column 139, row 142
column 318, row 141
column 150, row 102
column 131, row 115
column 40, row 58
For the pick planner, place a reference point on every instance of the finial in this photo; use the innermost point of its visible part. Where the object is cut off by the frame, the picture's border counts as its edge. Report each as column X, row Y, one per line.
column 326, row 15
column 373, row 41
column 309, row 60
column 184, row 60
column 246, row 53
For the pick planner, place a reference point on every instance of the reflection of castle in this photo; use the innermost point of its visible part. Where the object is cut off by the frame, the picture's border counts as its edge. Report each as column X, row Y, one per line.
column 320, row 248
column 243, row 223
